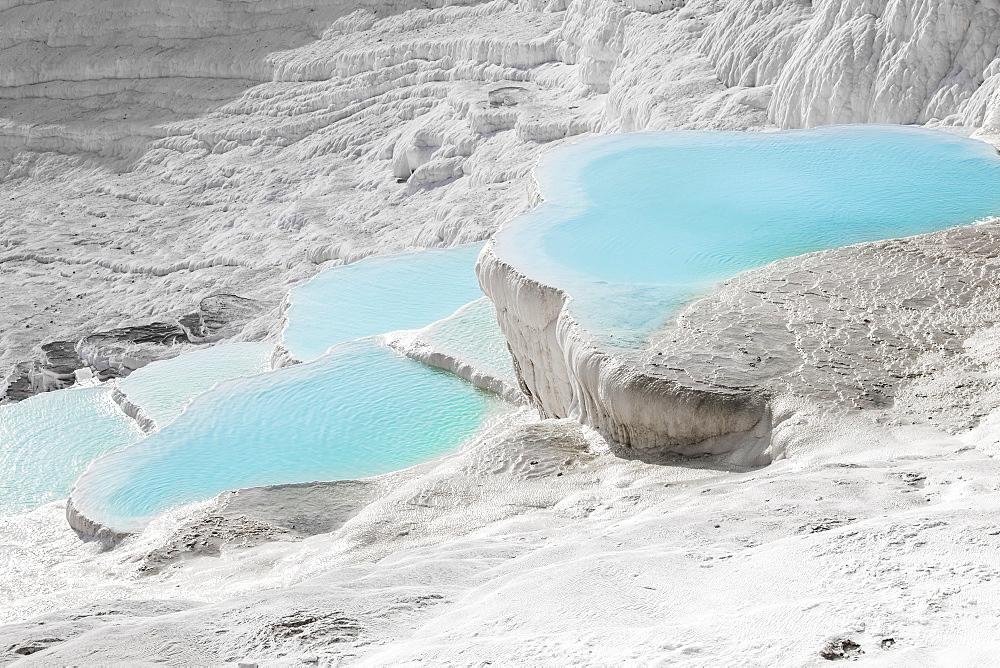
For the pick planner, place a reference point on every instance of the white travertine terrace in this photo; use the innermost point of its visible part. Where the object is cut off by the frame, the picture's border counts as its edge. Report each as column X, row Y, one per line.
column 269, row 144
column 703, row 382
column 156, row 153
column 883, row 327
column 566, row 374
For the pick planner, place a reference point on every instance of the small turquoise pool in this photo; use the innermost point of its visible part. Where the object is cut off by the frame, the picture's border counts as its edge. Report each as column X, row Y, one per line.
column 472, row 335
column 48, row 440
column 634, row 226
column 379, row 295
column 358, row 411
column 163, row 388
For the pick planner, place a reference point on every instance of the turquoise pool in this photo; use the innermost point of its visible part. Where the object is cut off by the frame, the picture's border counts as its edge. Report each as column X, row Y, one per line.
column 379, row 295
column 48, row 440
column 359, row 410
column 635, row 226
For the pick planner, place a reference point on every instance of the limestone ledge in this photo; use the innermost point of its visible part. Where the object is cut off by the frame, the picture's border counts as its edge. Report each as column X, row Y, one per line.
column 133, row 410
column 566, row 374
column 410, row 344
column 902, row 330
column 89, row 529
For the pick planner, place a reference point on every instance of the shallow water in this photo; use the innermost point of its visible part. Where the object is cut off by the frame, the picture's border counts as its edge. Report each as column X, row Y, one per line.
column 48, row 440
column 358, row 411
column 162, row 389
column 472, row 335
column 379, row 295
column 634, row 226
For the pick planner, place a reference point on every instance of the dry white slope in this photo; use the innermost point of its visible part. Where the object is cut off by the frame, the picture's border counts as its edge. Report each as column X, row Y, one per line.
column 259, row 141
column 536, row 545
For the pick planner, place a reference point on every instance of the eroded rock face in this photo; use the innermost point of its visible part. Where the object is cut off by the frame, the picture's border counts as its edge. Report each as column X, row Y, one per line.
column 52, row 372
column 899, row 327
column 115, row 353
column 566, row 374
column 122, row 350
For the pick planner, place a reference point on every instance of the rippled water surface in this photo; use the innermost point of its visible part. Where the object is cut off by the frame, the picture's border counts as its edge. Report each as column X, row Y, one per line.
column 473, row 336
column 162, row 389
column 379, row 295
column 358, row 411
column 48, row 440
column 636, row 225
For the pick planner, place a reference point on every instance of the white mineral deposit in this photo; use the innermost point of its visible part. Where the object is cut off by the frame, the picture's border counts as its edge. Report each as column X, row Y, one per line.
column 326, row 339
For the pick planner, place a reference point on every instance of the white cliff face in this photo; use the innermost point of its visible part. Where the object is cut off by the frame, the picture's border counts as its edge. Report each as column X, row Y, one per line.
column 98, row 77
column 565, row 374
column 864, row 61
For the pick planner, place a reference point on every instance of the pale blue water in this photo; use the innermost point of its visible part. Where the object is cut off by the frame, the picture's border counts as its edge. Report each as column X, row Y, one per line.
column 634, row 226
column 165, row 387
column 473, row 336
column 379, row 295
column 358, row 411
column 47, row 441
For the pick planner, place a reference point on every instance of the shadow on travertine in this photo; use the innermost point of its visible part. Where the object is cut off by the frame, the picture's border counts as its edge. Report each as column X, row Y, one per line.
column 105, row 79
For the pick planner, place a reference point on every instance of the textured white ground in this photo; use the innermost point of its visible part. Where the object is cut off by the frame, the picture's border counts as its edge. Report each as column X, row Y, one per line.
column 157, row 153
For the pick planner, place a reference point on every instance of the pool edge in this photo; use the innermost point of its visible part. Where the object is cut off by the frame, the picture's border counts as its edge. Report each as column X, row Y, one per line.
column 564, row 373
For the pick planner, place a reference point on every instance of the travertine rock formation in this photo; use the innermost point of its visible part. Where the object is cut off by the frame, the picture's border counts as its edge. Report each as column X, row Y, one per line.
column 156, row 153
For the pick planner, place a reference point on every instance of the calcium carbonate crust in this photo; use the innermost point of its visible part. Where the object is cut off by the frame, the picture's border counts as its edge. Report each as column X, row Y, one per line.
column 564, row 373
column 89, row 529
column 408, row 343
column 133, row 410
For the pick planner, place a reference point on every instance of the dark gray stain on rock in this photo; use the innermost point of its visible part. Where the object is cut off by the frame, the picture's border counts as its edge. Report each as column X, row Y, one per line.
column 117, row 352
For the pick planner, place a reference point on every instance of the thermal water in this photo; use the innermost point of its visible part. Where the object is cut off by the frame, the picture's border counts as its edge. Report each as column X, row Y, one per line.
column 358, row 411
column 379, row 295
column 47, row 441
column 634, row 226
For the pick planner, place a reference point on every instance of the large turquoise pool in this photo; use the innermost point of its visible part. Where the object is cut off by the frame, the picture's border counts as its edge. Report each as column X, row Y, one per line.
column 634, row 226
column 359, row 410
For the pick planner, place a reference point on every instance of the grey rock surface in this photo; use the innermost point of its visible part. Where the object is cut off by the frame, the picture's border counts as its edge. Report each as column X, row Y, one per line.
column 247, row 517
column 114, row 353
column 889, row 326
column 46, row 632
